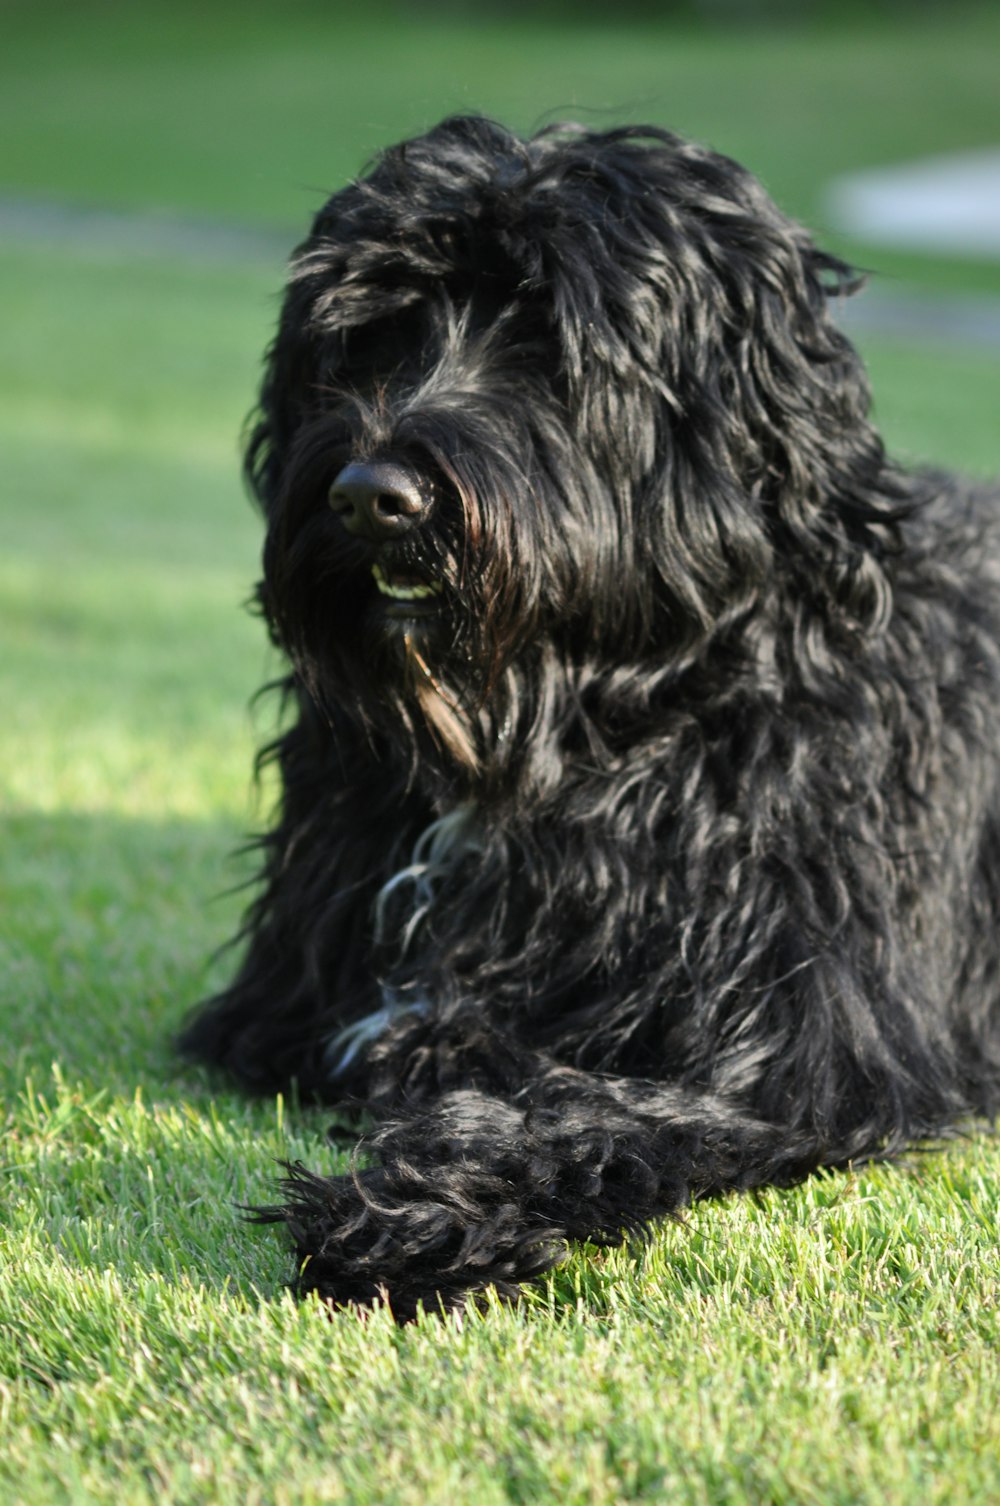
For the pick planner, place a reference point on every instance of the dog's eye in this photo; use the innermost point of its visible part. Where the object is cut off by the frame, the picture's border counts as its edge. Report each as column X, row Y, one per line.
column 383, row 348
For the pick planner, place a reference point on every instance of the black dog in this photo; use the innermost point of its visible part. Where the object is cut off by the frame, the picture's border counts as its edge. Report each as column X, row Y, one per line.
column 640, row 833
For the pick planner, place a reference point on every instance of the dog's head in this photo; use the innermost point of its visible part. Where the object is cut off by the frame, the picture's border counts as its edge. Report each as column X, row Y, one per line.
column 575, row 400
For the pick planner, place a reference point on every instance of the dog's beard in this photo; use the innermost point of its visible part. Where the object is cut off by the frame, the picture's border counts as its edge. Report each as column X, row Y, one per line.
column 450, row 724
column 411, row 664
column 393, row 632
column 415, row 622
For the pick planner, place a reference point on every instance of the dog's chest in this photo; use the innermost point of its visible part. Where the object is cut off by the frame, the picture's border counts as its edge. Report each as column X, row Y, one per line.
column 399, row 916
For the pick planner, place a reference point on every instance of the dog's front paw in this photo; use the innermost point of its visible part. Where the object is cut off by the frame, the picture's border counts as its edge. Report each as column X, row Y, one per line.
column 393, row 1236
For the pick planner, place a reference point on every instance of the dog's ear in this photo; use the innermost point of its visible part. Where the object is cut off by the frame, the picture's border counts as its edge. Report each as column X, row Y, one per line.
column 272, row 423
column 303, row 353
column 709, row 382
column 291, row 370
column 772, row 406
column 266, row 437
column 764, row 448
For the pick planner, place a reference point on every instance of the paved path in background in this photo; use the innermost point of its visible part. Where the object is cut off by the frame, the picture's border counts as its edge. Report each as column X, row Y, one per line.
column 137, row 233
column 965, row 319
column 947, row 204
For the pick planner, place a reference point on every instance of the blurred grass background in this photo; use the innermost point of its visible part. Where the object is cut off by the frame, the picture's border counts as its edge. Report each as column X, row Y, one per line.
column 839, row 1343
column 251, row 110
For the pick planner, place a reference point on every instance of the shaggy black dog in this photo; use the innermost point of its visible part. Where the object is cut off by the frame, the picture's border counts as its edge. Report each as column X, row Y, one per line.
column 640, row 830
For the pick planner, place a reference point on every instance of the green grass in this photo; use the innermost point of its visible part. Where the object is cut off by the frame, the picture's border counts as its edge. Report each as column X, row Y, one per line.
column 835, row 1344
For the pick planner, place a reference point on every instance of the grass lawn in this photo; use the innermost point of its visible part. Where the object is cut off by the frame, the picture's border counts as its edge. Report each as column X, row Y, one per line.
column 836, row 1344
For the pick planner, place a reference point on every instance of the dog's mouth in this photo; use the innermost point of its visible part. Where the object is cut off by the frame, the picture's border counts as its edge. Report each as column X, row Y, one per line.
column 405, row 591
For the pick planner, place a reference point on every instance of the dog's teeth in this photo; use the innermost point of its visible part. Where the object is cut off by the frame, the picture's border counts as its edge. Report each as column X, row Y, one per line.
column 404, row 593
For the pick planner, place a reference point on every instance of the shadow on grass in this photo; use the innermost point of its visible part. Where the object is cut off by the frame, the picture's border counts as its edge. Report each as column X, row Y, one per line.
column 112, row 930
column 117, row 1155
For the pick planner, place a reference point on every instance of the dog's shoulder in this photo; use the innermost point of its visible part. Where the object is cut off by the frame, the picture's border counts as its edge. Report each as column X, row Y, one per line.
column 952, row 539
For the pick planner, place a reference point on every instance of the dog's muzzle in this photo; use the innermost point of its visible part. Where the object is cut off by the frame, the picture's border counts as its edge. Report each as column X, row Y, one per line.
column 378, row 500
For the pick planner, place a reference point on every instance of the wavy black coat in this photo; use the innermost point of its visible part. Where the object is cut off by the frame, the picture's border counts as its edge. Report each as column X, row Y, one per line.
column 660, row 856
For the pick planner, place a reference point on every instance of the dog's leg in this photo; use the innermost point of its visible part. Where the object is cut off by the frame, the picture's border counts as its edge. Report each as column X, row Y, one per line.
column 344, row 828
column 484, row 1187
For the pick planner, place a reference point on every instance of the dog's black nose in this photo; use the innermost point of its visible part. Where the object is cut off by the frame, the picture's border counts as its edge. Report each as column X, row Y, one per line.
column 377, row 499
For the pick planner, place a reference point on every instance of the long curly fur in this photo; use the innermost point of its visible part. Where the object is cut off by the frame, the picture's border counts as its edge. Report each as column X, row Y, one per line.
column 640, row 829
